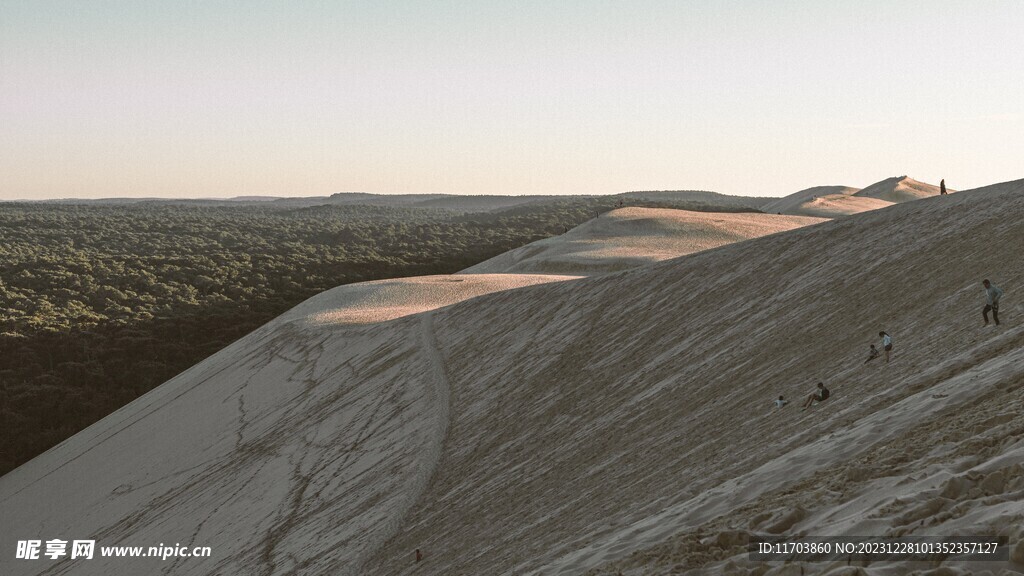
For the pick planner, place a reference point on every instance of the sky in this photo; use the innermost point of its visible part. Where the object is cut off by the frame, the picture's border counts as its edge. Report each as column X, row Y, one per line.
column 191, row 98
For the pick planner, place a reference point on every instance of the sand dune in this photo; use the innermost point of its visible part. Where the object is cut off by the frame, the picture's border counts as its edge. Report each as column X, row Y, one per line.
column 650, row 427
column 899, row 189
column 383, row 300
column 791, row 204
column 617, row 423
column 227, row 451
column 836, row 201
column 836, row 205
column 630, row 237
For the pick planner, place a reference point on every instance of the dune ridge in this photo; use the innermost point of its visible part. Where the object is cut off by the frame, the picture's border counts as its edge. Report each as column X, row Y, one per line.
column 899, row 189
column 630, row 237
column 837, row 201
column 699, row 401
column 788, row 204
column 615, row 423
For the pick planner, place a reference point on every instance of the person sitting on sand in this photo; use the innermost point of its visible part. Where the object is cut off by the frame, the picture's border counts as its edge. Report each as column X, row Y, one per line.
column 821, row 395
column 872, row 354
column 886, row 344
column 781, row 402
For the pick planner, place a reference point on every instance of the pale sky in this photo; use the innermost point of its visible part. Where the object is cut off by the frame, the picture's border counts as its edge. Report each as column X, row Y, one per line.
column 303, row 98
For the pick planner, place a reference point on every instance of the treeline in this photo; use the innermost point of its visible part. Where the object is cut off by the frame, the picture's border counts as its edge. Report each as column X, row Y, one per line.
column 100, row 303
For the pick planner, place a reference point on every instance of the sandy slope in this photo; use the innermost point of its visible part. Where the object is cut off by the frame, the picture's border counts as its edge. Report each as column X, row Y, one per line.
column 630, row 237
column 899, row 189
column 792, row 203
column 382, row 300
column 835, row 201
column 836, row 205
column 640, row 417
column 615, row 423
column 260, row 449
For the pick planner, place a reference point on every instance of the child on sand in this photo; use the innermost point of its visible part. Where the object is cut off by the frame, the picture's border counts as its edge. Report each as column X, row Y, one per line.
column 886, row 344
column 872, row 354
column 821, row 395
column 781, row 402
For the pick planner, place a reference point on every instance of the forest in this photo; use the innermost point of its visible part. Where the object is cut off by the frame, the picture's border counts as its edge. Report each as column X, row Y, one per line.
column 99, row 303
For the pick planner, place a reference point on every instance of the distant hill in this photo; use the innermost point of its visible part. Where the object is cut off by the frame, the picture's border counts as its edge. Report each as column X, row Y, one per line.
column 381, row 199
column 237, row 200
column 687, row 197
column 819, row 201
column 253, row 198
column 682, row 199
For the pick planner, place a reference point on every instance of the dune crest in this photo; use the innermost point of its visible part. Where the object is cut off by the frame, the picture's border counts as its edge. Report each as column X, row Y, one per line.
column 899, row 189
column 630, row 237
column 836, row 201
column 791, row 204
column 383, row 300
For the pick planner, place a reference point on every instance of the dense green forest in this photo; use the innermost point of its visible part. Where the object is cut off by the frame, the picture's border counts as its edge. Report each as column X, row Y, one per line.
column 100, row 303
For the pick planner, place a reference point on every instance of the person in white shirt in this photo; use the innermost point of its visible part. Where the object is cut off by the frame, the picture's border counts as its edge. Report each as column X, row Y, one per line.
column 993, row 293
column 781, row 402
column 886, row 344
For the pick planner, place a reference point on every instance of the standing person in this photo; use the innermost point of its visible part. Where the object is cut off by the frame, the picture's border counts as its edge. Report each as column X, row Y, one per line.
column 993, row 293
column 820, row 395
column 781, row 402
column 886, row 344
column 942, row 186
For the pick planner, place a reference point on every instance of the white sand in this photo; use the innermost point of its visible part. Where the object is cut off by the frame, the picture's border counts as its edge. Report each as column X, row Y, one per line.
column 630, row 237
column 618, row 423
column 319, row 429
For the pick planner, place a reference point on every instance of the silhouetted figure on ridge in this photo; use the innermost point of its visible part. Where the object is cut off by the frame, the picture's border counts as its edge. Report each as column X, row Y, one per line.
column 942, row 186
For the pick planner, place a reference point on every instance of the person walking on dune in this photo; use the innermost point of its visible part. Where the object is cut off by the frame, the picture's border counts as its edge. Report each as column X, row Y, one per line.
column 886, row 344
column 820, row 395
column 781, row 402
column 993, row 293
column 942, row 187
